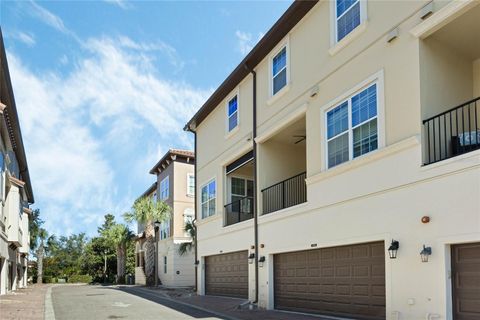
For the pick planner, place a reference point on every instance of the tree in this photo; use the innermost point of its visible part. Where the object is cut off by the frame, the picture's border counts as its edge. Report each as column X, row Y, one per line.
column 34, row 225
column 43, row 247
column 187, row 246
column 119, row 236
column 146, row 211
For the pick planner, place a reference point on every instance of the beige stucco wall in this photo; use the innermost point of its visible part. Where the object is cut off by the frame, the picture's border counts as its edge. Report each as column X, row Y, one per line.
column 380, row 196
column 180, row 269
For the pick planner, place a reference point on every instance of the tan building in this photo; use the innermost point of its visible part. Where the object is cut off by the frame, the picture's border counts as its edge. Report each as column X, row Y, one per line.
column 175, row 186
column 15, row 189
column 349, row 125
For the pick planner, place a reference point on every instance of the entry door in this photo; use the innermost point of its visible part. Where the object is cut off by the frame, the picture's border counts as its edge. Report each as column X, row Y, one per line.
column 466, row 281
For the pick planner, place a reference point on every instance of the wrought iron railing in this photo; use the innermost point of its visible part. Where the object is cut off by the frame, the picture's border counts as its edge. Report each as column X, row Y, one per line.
column 284, row 194
column 238, row 211
column 453, row 132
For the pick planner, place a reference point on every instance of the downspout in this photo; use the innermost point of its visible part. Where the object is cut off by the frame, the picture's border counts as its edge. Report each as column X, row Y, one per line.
column 194, row 222
column 255, row 184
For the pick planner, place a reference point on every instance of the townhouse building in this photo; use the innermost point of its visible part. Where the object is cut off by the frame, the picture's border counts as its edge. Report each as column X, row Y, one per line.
column 15, row 189
column 175, row 186
column 338, row 165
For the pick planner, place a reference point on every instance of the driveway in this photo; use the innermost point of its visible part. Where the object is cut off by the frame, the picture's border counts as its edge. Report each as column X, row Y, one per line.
column 98, row 302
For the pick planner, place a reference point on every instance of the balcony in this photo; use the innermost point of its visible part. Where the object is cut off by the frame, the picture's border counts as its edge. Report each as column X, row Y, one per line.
column 238, row 211
column 239, row 189
column 452, row 132
column 285, row 194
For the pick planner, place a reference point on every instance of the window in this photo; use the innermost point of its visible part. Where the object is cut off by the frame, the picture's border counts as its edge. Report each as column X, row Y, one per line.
column 232, row 113
column 190, row 184
column 352, row 128
column 241, row 188
column 165, row 229
column 164, row 188
column 209, row 194
column 279, row 71
column 164, row 264
column 348, row 17
column 154, row 196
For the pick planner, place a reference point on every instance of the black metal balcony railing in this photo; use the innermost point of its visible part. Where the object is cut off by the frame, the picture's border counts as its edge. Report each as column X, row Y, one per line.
column 452, row 132
column 284, row 194
column 238, row 211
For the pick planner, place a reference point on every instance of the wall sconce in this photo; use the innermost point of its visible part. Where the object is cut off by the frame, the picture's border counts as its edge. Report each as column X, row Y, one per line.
column 392, row 250
column 425, row 253
column 251, row 257
column 261, row 261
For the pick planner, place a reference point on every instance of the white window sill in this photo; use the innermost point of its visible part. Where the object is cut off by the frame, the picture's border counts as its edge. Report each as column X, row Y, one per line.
column 279, row 94
column 228, row 135
column 348, row 38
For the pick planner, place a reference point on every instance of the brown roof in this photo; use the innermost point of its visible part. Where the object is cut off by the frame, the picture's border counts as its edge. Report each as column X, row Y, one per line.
column 11, row 119
column 173, row 155
column 279, row 30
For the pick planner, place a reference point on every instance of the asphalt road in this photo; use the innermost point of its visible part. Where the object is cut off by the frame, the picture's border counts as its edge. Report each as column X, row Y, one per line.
column 97, row 302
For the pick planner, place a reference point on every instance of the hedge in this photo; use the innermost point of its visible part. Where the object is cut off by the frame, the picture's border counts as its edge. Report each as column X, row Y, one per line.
column 80, row 278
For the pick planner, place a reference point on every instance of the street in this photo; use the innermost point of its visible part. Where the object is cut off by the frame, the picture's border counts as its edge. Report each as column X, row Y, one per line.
column 98, row 302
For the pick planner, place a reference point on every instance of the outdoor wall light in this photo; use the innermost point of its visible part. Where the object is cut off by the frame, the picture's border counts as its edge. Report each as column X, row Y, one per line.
column 251, row 257
column 392, row 250
column 157, row 224
column 425, row 253
column 261, row 261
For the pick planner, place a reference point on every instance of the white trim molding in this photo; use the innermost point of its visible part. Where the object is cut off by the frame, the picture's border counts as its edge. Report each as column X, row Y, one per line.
column 442, row 17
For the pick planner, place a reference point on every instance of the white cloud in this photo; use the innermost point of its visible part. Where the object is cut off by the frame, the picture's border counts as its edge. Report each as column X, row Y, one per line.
column 121, row 3
column 246, row 42
column 89, row 133
column 49, row 18
column 25, row 37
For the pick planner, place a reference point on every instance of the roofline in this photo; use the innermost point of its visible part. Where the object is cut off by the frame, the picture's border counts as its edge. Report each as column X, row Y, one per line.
column 172, row 152
column 297, row 10
column 150, row 189
column 12, row 114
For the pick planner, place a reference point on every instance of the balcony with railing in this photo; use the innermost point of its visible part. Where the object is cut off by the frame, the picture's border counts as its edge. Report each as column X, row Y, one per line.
column 450, row 88
column 285, row 194
column 452, row 132
column 238, row 211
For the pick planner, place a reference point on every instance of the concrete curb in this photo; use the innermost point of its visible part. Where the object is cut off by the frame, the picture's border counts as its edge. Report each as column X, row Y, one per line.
column 49, row 312
column 161, row 296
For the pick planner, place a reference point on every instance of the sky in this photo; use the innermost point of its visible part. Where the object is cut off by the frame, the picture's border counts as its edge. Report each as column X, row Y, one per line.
column 104, row 88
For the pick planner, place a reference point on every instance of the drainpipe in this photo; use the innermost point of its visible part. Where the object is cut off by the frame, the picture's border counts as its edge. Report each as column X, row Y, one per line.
column 194, row 222
column 255, row 184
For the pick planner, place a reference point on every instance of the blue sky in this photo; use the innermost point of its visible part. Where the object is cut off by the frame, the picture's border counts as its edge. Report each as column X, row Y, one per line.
column 103, row 89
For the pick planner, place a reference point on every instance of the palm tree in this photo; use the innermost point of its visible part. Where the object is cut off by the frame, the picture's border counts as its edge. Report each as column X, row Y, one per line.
column 187, row 246
column 119, row 236
column 147, row 211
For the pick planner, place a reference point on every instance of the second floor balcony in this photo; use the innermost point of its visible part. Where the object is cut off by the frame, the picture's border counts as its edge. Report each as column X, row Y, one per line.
column 285, row 194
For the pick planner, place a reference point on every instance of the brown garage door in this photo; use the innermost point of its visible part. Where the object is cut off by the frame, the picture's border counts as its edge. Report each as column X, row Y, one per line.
column 227, row 274
column 346, row 281
column 466, row 281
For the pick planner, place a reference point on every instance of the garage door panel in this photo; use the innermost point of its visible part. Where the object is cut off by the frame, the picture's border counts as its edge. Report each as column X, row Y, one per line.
column 346, row 281
column 466, row 281
column 227, row 274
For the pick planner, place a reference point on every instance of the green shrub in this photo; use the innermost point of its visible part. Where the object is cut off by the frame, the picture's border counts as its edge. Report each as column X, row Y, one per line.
column 80, row 278
column 47, row 279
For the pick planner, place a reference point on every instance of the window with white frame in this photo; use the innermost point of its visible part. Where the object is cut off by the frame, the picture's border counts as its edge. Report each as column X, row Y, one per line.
column 165, row 229
column 352, row 127
column 279, row 70
column 232, row 113
column 348, row 16
column 190, row 184
column 154, row 196
column 209, row 195
column 165, row 188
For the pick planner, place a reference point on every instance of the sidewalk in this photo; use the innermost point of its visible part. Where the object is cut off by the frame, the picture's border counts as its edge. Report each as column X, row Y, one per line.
column 228, row 307
column 24, row 304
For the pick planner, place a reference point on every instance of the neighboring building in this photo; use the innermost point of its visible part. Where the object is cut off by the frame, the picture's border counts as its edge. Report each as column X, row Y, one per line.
column 175, row 186
column 15, row 189
column 140, row 277
column 367, row 129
